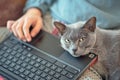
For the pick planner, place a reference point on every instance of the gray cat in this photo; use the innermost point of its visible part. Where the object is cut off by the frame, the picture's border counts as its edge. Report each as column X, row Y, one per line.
column 83, row 37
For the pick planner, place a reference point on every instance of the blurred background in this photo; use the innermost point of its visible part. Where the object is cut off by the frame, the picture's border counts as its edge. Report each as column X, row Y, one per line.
column 10, row 10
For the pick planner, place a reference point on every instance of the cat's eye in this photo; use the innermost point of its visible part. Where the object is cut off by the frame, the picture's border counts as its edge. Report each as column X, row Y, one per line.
column 81, row 39
column 67, row 40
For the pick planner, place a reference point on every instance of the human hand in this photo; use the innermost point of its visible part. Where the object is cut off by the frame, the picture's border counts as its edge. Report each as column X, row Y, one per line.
column 21, row 27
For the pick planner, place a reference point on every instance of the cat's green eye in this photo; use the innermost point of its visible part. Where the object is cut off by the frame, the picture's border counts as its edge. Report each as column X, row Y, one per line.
column 67, row 40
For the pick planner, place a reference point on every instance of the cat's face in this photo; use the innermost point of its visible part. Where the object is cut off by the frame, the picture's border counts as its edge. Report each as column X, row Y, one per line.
column 77, row 38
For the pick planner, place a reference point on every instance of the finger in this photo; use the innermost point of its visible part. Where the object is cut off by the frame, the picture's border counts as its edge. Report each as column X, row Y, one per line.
column 36, row 29
column 13, row 28
column 19, row 31
column 9, row 24
column 26, row 26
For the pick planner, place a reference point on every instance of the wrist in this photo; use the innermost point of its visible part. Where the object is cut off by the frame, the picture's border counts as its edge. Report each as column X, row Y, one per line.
column 34, row 11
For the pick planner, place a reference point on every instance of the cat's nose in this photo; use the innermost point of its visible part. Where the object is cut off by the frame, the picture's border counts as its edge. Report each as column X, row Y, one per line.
column 74, row 50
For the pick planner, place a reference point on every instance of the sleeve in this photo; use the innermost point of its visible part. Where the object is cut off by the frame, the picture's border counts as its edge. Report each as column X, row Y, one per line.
column 43, row 5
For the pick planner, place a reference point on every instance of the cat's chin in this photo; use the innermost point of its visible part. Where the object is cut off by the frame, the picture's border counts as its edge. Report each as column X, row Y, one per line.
column 76, row 55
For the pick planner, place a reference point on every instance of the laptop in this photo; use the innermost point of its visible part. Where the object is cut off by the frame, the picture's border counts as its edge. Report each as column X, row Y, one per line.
column 41, row 59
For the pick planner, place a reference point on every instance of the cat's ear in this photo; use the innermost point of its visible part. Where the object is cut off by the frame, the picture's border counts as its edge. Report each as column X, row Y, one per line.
column 60, row 26
column 90, row 24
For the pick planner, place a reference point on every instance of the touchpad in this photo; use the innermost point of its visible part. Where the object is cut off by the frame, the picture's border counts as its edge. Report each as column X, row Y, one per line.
column 48, row 43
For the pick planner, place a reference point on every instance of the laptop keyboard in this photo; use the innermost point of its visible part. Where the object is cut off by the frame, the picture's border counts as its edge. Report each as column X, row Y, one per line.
column 23, row 61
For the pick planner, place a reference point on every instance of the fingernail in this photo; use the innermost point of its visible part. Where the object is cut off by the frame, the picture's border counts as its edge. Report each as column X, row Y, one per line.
column 28, row 39
column 24, row 40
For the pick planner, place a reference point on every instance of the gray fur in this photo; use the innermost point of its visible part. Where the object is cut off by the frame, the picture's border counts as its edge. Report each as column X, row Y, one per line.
column 105, row 43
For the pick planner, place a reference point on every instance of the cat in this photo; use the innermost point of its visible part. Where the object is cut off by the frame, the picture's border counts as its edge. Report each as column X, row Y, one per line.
column 81, row 38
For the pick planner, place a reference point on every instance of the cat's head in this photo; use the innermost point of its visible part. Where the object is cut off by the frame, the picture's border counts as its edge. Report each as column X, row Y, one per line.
column 77, row 38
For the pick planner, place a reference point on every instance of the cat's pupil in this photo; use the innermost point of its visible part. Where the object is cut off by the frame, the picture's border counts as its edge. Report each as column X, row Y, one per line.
column 67, row 40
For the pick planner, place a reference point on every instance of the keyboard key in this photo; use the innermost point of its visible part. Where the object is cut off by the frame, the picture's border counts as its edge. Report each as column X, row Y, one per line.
column 27, row 78
column 12, row 40
column 31, row 75
column 42, row 67
column 9, row 50
column 29, row 55
column 48, row 77
column 64, row 72
column 17, row 67
column 43, row 74
column 42, row 79
column 43, row 62
column 33, row 57
column 12, row 64
column 11, row 69
column 64, row 78
column 29, row 67
column 22, row 75
column 46, row 70
column 26, row 59
column 1, row 52
column 19, row 62
column 21, row 70
column 59, row 69
column 69, row 75
column 7, row 62
column 16, row 47
column 0, row 57
column 55, row 79
column 48, row 64
column 5, row 48
column 0, row 63
column 5, row 55
column 57, row 75
column 24, row 52
column 72, row 70
column 24, row 64
column 53, row 67
column 18, row 54
column 37, row 77
column 5, row 66
column 37, row 64
column 16, row 72
column 26, row 72
column 38, row 59
column 32, row 62
column 29, row 49
column 38, row 72
column 7, row 43
column 33, row 69
column 24, row 46
column 10, row 57
column 52, row 72
column 3, row 60
column 20, row 50
column 13, row 52
column 14, row 59
column 60, row 64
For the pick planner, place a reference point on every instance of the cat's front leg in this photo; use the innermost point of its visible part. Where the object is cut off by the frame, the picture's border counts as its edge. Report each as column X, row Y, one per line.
column 115, row 75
